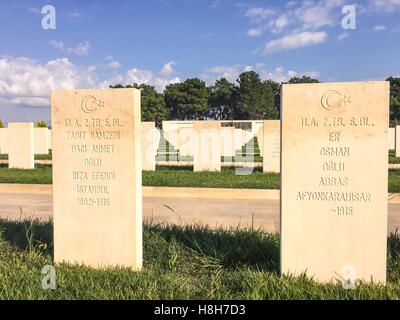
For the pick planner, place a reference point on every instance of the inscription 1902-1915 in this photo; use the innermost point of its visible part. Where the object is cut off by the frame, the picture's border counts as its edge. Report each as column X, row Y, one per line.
column 97, row 176
column 93, row 140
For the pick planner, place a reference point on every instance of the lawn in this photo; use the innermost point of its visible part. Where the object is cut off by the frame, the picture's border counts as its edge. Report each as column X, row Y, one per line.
column 392, row 157
column 163, row 176
column 191, row 262
column 178, row 177
column 37, row 156
column 185, row 177
column 42, row 174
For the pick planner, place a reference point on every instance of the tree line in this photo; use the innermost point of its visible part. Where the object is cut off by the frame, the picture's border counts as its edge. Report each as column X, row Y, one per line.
column 39, row 124
column 248, row 98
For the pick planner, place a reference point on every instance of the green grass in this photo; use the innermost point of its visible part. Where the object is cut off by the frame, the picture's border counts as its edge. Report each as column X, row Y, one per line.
column 37, row 156
column 163, row 176
column 44, row 156
column 42, row 174
column 393, row 158
column 185, row 177
column 178, row 177
column 179, row 263
column 394, row 181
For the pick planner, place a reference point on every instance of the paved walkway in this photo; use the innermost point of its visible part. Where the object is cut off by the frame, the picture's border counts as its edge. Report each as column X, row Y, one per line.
column 215, row 207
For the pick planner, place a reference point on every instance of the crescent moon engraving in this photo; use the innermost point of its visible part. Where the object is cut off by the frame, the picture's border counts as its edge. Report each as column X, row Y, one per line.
column 90, row 104
column 333, row 99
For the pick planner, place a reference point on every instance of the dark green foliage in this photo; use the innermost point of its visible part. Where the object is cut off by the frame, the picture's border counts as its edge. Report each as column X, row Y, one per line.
column 255, row 98
column 41, row 124
column 152, row 103
column 394, row 100
column 187, row 100
column 222, row 100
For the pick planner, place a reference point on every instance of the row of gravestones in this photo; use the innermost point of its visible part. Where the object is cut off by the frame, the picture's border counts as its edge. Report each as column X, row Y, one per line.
column 21, row 141
column 183, row 134
column 234, row 135
column 333, row 219
column 38, row 141
column 395, row 132
column 207, row 142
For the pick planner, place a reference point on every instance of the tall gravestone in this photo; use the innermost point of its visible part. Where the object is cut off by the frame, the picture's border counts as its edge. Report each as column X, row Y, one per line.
column 97, row 178
column 260, row 138
column 3, row 141
column 49, row 139
column 20, row 145
column 241, row 138
column 185, row 141
column 334, row 180
column 41, row 140
column 271, row 146
column 227, row 142
column 392, row 138
column 207, row 146
column 149, row 146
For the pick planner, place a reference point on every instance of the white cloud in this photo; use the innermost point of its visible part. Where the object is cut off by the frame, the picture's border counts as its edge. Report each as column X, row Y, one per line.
column 255, row 32
column 82, row 49
column 57, row 44
column 279, row 74
column 279, row 24
column 167, row 68
column 314, row 15
column 26, row 82
column 343, row 36
column 143, row 76
column 114, row 65
column 388, row 6
column 73, row 14
column 35, row 10
column 301, row 23
column 379, row 28
column 302, row 15
column 231, row 73
column 294, row 41
column 257, row 14
column 215, row 4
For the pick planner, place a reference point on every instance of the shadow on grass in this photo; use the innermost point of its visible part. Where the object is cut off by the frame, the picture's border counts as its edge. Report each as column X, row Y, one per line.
column 235, row 247
column 173, row 168
column 28, row 234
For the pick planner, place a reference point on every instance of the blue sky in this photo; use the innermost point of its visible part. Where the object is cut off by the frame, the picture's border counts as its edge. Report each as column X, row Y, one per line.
column 102, row 42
